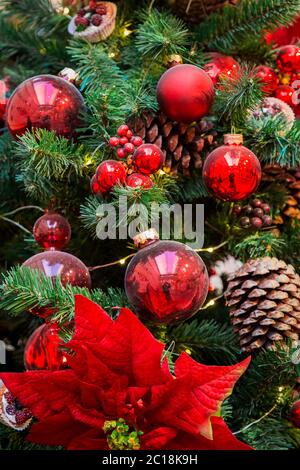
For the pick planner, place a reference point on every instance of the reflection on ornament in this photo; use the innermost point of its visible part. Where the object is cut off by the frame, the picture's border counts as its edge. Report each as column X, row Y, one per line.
column 52, row 231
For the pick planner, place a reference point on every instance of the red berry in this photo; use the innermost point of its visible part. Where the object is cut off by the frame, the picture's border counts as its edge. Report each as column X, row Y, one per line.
column 114, row 141
column 96, row 20
column 248, row 210
column 122, row 131
column 82, row 21
column 256, row 222
column 92, row 5
column 256, row 203
column 81, row 12
column 123, row 140
column 244, row 222
column 121, row 153
column 266, row 208
column 129, row 134
column 136, row 141
column 237, row 210
column 129, row 148
column 258, row 212
column 101, row 10
column 267, row 220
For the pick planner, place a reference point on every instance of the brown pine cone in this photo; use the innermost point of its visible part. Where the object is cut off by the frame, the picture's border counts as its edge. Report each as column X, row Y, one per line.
column 263, row 298
column 195, row 11
column 184, row 145
column 290, row 178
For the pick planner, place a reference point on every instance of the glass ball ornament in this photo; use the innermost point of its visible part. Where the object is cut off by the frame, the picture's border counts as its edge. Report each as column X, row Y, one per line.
column 221, row 65
column 285, row 94
column 231, row 172
column 148, row 158
column 45, row 102
column 137, row 180
column 288, row 59
column 52, row 231
column 67, row 267
column 166, row 281
column 108, row 174
column 268, row 77
column 185, row 93
column 43, row 350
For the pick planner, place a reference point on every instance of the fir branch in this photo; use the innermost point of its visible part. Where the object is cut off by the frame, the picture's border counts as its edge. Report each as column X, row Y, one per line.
column 190, row 189
column 27, row 289
column 161, row 35
column 258, row 245
column 88, row 214
column 237, row 97
column 273, row 433
column 224, row 30
column 208, row 335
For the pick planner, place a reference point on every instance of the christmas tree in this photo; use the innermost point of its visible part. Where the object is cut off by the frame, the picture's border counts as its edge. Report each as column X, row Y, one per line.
column 149, row 216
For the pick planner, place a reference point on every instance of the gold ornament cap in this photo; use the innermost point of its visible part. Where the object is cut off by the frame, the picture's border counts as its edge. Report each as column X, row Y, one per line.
column 231, row 139
column 69, row 75
column 145, row 238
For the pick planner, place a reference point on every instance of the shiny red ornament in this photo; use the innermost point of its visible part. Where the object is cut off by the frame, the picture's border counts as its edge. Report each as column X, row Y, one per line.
column 288, row 59
column 185, row 93
column 232, row 172
column 108, row 174
column 43, row 350
column 52, row 231
column 295, row 414
column 137, row 180
column 285, row 93
column 221, row 65
column 3, row 99
column 268, row 77
column 166, row 282
column 95, row 187
column 45, row 102
column 148, row 158
column 63, row 265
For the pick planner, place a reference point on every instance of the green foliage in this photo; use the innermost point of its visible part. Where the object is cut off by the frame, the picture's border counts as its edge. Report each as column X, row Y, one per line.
column 233, row 25
column 272, row 433
column 160, row 35
column 237, row 97
column 258, row 245
column 210, row 336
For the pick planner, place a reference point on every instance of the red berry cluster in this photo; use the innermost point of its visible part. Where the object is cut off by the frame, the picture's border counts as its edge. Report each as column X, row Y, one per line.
column 256, row 214
column 14, row 408
column 125, row 142
column 91, row 15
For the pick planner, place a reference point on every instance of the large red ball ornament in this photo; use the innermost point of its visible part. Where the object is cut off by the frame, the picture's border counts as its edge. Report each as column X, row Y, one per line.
column 185, row 93
column 285, row 93
column 232, row 172
column 148, row 158
column 137, row 180
column 67, row 267
column 108, row 174
column 268, row 77
column 52, row 231
column 288, row 59
column 43, row 350
column 45, row 102
column 166, row 281
column 221, row 65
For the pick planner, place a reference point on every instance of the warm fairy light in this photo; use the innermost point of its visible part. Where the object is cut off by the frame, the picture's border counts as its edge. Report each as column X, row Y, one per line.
column 126, row 32
column 161, row 172
column 122, row 261
column 111, row 55
column 188, row 351
column 210, row 250
column 88, row 161
column 66, row 11
column 211, row 303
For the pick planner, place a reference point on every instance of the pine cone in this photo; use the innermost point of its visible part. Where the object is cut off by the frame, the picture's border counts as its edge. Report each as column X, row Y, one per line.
column 290, row 178
column 263, row 297
column 194, row 11
column 183, row 145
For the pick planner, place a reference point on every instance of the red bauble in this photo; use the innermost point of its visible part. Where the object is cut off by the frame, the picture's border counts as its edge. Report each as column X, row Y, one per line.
column 221, row 65
column 295, row 414
column 288, row 59
column 268, row 77
column 232, row 172
column 58, row 263
column 108, row 174
column 285, row 93
column 148, row 158
column 95, row 187
column 52, row 231
column 185, row 93
column 45, row 102
column 166, row 282
column 137, row 180
column 43, row 350
column 3, row 99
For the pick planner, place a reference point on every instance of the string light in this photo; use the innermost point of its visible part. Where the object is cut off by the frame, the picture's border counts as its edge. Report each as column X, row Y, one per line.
column 111, row 55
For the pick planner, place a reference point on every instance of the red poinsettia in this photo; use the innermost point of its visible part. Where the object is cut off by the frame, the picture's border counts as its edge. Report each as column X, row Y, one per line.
column 120, row 394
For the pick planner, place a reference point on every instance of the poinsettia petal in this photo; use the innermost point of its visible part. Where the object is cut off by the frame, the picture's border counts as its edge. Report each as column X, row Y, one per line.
column 56, row 430
column 43, row 392
column 210, row 384
column 157, row 438
column 88, row 441
column 130, row 349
